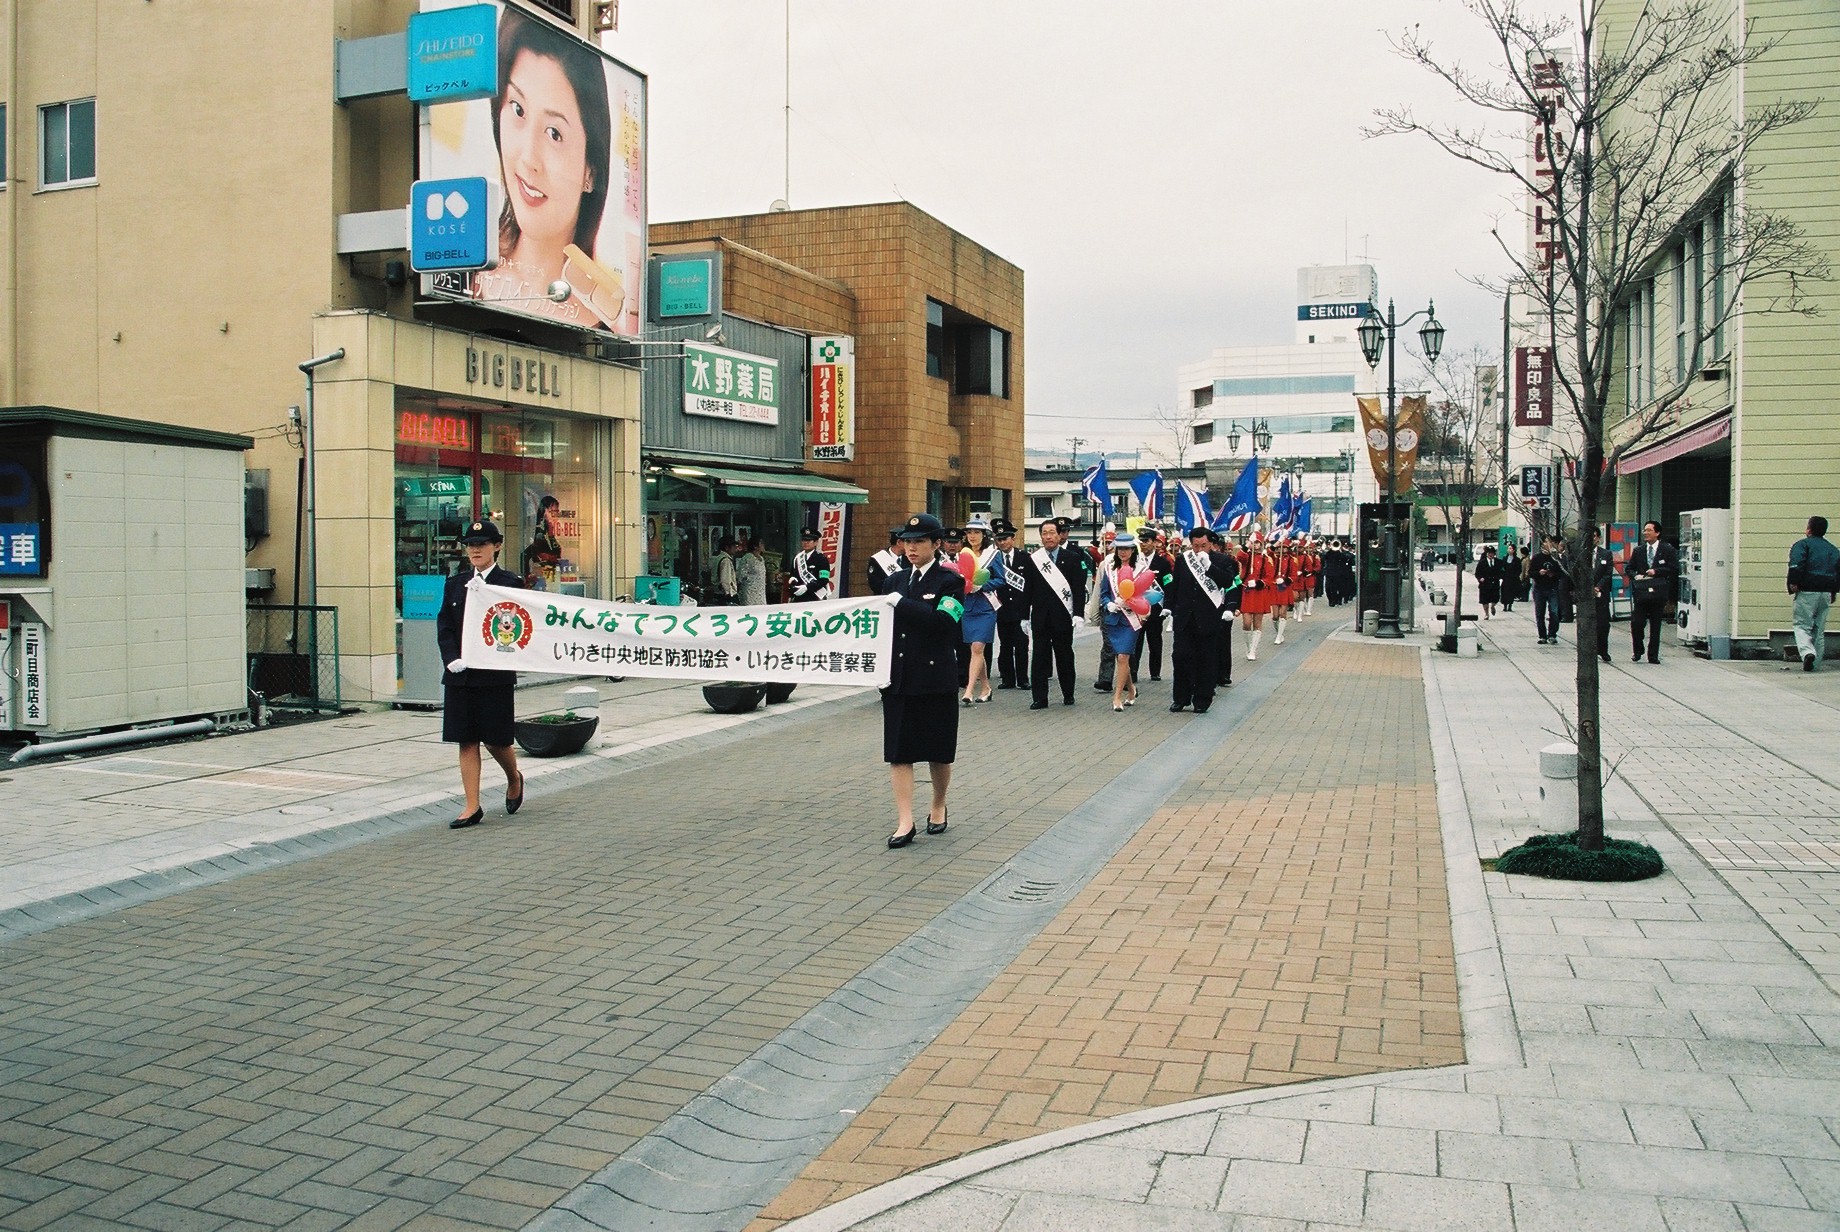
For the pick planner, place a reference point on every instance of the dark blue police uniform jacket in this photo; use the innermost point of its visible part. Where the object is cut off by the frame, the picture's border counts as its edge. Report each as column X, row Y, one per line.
column 447, row 630
column 926, row 639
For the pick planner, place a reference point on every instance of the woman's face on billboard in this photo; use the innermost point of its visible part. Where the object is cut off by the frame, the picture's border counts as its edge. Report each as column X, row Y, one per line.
column 543, row 151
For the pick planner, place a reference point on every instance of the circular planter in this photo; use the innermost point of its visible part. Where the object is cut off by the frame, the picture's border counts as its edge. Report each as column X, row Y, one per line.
column 733, row 698
column 555, row 739
column 777, row 693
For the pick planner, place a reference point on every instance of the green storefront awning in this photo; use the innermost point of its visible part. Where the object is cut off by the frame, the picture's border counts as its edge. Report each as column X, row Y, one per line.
column 786, row 485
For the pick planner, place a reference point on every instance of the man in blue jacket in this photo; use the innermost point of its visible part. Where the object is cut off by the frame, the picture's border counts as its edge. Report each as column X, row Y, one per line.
column 1814, row 578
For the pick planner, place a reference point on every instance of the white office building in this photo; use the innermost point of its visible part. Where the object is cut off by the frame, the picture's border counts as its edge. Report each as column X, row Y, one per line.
column 1302, row 394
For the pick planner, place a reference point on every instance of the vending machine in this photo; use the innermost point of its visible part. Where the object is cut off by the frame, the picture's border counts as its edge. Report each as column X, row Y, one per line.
column 1703, row 592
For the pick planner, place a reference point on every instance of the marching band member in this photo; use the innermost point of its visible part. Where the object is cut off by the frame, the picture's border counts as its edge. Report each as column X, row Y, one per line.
column 919, row 719
column 1283, row 586
column 983, row 600
column 811, row 570
column 1200, row 602
column 1309, row 571
column 1261, row 574
column 1012, row 617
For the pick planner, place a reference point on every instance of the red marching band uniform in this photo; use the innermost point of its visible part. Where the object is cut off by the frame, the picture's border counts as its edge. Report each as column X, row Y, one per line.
column 1284, row 586
column 1258, row 577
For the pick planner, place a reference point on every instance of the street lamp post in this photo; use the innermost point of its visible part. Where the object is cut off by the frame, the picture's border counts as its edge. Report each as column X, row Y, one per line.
column 1341, row 523
column 1373, row 333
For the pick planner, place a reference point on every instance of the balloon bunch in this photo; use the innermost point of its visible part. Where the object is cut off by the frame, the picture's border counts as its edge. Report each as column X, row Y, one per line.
column 1137, row 590
column 966, row 564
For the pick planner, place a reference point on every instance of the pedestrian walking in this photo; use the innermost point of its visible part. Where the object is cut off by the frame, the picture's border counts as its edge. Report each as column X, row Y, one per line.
column 1123, row 586
column 724, row 577
column 478, row 706
column 1548, row 570
column 1814, row 578
column 1511, row 570
column 1651, row 570
column 984, row 591
column 1603, row 571
column 1204, row 589
column 1013, row 616
column 1488, row 582
column 751, row 573
column 1055, row 580
column 919, row 706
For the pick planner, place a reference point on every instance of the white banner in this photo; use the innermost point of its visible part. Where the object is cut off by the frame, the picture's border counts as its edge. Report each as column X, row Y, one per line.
column 839, row 641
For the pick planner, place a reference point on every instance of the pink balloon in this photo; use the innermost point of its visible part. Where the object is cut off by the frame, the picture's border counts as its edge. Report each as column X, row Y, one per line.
column 966, row 562
column 1140, row 605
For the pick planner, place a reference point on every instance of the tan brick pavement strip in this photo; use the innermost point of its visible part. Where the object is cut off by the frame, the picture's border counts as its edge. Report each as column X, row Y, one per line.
column 436, row 1031
column 1244, row 937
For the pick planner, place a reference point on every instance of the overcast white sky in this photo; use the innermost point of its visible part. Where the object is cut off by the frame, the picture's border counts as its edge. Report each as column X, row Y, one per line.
column 1158, row 168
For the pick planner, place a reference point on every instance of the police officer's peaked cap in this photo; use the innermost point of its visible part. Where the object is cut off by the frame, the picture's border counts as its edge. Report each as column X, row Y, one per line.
column 809, row 532
column 1001, row 527
column 482, row 531
column 923, row 526
column 1064, row 525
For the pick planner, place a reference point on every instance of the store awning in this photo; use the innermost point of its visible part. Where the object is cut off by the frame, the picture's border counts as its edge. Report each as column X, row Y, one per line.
column 785, row 485
column 1697, row 437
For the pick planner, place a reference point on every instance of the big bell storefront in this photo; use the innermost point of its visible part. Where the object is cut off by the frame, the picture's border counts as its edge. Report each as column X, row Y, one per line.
column 418, row 430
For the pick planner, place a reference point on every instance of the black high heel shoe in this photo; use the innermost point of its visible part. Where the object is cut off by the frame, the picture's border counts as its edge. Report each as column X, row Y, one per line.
column 901, row 840
column 471, row 819
column 944, row 816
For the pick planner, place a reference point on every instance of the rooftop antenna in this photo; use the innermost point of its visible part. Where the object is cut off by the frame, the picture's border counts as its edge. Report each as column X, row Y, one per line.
column 787, row 196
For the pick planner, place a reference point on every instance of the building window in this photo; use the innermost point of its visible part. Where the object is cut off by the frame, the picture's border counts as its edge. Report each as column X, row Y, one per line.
column 1713, row 285
column 1637, row 319
column 971, row 355
column 1040, row 507
column 2, row 145
column 564, row 9
column 1203, row 433
column 67, row 143
column 1204, row 396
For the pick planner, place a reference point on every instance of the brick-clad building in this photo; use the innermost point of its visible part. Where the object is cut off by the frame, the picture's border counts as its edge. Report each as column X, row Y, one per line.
column 937, row 320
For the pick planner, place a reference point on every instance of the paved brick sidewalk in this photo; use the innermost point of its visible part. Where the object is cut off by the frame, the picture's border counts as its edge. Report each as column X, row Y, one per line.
column 1652, row 1057
column 1282, row 919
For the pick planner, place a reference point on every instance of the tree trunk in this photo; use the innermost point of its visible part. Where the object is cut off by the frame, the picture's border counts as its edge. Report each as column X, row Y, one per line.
column 1590, row 736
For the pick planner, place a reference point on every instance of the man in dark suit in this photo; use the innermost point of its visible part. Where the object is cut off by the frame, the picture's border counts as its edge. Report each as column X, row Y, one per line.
column 1651, row 571
column 478, row 705
column 1200, row 600
column 920, row 704
column 1603, row 570
column 810, row 580
column 885, row 563
column 1012, row 633
column 1056, row 599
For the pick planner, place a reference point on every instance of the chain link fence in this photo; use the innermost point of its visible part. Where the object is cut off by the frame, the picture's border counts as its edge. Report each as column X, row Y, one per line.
column 294, row 658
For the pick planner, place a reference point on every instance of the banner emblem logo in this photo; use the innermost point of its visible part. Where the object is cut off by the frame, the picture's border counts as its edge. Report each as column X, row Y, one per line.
column 507, row 627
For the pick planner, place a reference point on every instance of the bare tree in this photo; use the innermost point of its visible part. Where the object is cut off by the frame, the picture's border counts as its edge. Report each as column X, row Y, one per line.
column 1178, row 424
column 1458, row 459
column 1636, row 140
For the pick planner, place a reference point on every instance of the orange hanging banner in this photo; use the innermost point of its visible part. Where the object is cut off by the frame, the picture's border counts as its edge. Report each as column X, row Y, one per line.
column 1409, row 427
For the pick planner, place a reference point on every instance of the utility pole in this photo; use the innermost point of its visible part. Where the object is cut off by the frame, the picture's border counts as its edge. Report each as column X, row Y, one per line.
column 1073, row 451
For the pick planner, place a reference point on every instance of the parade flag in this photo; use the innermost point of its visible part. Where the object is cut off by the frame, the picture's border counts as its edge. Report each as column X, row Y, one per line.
column 1191, row 508
column 1282, row 509
column 1242, row 507
column 1098, row 487
column 1303, row 516
column 1148, row 489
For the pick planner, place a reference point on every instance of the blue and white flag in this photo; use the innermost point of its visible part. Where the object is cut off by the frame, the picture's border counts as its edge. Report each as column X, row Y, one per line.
column 1302, row 524
column 1098, row 487
column 1242, row 508
column 1148, row 489
column 1282, row 510
column 1191, row 508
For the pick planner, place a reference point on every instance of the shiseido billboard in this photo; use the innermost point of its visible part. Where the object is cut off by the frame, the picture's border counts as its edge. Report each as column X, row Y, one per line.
column 564, row 135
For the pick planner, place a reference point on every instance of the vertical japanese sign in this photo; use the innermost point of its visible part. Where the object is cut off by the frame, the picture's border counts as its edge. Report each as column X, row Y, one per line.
column 1533, row 387
column 1537, row 487
column 34, row 705
column 833, row 519
column 833, row 398
column 725, row 384
column 1548, row 140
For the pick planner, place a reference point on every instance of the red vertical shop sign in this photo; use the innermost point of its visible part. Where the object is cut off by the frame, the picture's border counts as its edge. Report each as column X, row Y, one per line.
column 1533, row 387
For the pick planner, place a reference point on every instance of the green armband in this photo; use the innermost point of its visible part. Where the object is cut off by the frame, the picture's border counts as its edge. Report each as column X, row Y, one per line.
column 951, row 607
column 824, row 575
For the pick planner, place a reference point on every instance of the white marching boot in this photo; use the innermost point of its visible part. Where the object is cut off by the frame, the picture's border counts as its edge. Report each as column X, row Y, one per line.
column 1252, row 647
column 1279, row 639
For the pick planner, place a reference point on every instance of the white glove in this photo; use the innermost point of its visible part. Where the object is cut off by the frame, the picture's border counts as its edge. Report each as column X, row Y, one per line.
column 890, row 601
column 456, row 666
column 1079, row 622
column 1027, row 628
column 1113, row 607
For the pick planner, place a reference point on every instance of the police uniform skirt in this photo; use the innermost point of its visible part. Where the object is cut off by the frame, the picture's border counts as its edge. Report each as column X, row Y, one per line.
column 479, row 716
column 919, row 728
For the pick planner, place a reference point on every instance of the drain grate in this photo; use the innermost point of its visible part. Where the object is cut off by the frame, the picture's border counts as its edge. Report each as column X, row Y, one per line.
column 1010, row 886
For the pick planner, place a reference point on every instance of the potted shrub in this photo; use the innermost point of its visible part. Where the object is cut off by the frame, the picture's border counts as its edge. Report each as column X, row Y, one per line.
column 555, row 735
column 779, row 692
column 733, row 698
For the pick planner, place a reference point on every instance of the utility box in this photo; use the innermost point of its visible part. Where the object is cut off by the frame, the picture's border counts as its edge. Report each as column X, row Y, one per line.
column 121, row 571
column 1370, row 552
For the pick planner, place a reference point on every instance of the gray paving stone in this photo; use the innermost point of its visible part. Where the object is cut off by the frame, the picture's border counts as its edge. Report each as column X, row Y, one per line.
column 1785, row 1219
column 1701, row 1215
column 1055, row 1213
column 1371, row 1148
column 1187, row 1135
column 1088, row 1169
column 1294, row 1191
column 1240, row 1135
column 1764, row 1028
column 1354, row 1105
column 1802, row 1096
column 1565, row 1119
column 1539, row 1208
column 1492, row 1157
column 1189, row 1181
column 1673, row 1172
column 1767, row 1133
column 1663, row 1125
column 963, row 1208
column 1819, row 1180
column 1435, row 1203
column 1628, row 1021
column 1453, row 1110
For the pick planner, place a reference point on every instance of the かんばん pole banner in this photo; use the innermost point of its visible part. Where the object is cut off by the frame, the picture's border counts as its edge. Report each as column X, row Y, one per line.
column 840, row 641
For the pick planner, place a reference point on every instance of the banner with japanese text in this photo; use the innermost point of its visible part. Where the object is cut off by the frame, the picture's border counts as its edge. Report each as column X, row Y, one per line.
column 724, row 384
column 833, row 398
column 1533, row 387
column 840, row 641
